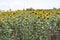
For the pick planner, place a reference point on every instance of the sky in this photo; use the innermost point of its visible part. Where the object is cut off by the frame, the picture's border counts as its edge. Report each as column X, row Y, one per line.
column 23, row 4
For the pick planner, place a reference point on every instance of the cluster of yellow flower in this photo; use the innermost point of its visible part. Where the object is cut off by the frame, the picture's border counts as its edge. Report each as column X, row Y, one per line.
column 45, row 14
column 10, row 15
column 16, row 14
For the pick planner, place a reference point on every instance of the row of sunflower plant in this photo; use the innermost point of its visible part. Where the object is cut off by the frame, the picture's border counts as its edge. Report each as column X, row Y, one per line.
column 28, row 25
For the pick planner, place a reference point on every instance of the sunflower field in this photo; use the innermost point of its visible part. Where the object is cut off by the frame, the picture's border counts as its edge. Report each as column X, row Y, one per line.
column 29, row 24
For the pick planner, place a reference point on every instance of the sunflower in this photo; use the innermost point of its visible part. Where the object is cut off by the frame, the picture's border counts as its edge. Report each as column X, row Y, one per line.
column 2, row 19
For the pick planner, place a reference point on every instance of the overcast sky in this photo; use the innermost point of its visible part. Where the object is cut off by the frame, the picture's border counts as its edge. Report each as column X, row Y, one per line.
column 23, row 4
